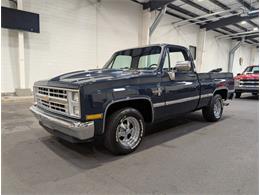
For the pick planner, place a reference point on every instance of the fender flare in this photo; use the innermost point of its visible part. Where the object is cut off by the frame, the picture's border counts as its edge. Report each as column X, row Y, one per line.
column 125, row 100
column 220, row 88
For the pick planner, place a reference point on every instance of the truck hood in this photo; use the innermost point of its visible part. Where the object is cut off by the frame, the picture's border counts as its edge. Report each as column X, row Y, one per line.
column 247, row 77
column 97, row 75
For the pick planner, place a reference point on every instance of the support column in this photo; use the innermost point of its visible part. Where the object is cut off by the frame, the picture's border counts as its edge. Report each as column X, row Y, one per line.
column 232, row 55
column 201, row 43
column 145, row 27
column 156, row 22
column 254, row 58
column 21, row 59
column 21, row 91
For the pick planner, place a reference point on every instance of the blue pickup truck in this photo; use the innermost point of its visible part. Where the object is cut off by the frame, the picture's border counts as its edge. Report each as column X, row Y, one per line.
column 136, row 87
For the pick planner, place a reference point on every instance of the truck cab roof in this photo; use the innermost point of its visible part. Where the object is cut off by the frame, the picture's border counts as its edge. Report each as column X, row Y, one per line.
column 154, row 45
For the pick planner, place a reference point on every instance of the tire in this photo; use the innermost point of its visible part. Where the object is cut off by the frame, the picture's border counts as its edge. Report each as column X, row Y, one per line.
column 238, row 94
column 210, row 113
column 123, row 126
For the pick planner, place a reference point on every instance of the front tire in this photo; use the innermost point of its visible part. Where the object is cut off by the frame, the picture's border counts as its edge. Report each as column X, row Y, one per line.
column 213, row 112
column 124, row 132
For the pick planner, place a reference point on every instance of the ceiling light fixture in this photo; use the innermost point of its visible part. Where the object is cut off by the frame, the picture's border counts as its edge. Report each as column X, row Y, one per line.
column 255, row 29
column 243, row 22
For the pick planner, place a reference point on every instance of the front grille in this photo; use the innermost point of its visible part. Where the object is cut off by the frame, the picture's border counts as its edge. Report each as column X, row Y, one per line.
column 249, row 83
column 53, row 99
column 59, row 93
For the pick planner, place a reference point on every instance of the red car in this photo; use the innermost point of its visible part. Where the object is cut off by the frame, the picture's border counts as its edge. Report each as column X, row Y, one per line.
column 247, row 82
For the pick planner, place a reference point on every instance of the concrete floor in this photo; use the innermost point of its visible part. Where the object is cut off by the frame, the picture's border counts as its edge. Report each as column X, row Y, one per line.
column 186, row 156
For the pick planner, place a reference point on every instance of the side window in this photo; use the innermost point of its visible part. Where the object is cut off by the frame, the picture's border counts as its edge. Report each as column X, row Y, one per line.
column 122, row 62
column 176, row 57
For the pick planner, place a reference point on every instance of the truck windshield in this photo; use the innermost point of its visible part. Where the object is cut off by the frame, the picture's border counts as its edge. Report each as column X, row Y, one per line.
column 140, row 58
column 251, row 70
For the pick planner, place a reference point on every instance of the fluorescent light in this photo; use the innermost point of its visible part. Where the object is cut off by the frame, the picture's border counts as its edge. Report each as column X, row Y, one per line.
column 243, row 22
column 255, row 29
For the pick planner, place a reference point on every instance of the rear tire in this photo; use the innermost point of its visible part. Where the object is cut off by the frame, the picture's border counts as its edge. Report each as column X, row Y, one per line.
column 213, row 112
column 124, row 131
column 238, row 94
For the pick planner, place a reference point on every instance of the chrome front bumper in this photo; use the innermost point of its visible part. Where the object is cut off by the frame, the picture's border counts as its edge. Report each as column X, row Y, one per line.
column 68, row 127
column 246, row 88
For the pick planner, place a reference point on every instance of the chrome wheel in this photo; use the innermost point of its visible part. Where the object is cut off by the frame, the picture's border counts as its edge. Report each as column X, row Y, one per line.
column 128, row 132
column 218, row 108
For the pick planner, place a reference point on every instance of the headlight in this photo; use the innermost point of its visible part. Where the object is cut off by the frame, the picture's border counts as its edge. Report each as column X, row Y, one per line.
column 74, row 103
column 76, row 110
column 75, row 96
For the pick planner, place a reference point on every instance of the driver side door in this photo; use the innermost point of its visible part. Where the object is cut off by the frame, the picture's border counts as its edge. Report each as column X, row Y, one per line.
column 181, row 94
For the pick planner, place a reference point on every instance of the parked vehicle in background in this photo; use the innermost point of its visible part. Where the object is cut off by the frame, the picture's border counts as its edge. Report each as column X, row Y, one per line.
column 248, row 81
column 136, row 87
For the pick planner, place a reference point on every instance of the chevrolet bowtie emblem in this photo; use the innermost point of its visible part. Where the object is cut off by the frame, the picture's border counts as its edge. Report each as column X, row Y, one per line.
column 46, row 98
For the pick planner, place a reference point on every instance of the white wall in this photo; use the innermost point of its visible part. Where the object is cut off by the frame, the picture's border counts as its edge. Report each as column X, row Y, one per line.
column 167, row 33
column 250, row 56
column 82, row 34
column 118, row 24
column 74, row 35
column 215, row 53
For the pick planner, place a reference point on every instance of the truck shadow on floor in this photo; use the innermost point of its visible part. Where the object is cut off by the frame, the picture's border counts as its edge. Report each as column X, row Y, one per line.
column 91, row 155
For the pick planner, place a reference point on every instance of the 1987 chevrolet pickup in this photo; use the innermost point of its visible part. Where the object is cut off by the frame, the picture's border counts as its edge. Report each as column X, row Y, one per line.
column 136, row 87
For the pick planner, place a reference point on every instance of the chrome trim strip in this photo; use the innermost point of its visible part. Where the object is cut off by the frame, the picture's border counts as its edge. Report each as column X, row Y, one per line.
column 59, row 100
column 155, row 105
column 119, row 89
column 159, row 104
column 249, row 81
column 249, row 86
column 68, row 89
column 182, row 100
column 206, row 95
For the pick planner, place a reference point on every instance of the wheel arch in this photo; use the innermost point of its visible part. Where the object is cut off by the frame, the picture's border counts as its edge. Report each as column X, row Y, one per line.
column 139, row 103
column 221, row 91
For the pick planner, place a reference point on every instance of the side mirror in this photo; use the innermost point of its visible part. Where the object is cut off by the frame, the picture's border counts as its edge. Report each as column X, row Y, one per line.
column 180, row 67
column 183, row 66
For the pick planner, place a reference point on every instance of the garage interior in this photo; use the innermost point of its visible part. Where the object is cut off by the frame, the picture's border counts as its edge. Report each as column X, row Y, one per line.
column 183, row 156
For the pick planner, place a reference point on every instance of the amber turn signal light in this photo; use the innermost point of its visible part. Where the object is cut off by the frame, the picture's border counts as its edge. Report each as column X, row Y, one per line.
column 94, row 116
